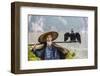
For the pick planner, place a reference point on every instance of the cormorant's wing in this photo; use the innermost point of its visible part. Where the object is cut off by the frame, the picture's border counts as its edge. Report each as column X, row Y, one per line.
column 78, row 36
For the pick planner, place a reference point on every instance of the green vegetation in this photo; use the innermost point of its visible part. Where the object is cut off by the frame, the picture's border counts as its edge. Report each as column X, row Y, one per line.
column 70, row 55
column 32, row 57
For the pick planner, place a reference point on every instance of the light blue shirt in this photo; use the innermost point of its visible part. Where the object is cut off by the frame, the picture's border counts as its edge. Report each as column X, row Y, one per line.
column 51, row 53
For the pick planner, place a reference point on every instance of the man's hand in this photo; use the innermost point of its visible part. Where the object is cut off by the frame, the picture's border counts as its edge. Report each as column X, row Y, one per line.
column 33, row 47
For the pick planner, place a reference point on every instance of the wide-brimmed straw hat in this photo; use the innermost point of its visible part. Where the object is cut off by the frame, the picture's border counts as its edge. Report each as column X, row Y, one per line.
column 42, row 37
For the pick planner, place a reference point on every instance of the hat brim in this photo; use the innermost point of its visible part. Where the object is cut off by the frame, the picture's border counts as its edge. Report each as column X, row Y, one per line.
column 42, row 37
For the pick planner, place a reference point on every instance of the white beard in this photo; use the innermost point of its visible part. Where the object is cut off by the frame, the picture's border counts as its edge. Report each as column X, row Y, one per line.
column 49, row 43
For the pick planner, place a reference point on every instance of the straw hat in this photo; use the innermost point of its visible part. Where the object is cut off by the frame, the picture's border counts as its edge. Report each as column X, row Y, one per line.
column 42, row 37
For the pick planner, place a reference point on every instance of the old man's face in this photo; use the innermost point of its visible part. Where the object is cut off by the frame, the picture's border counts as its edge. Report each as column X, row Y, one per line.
column 49, row 38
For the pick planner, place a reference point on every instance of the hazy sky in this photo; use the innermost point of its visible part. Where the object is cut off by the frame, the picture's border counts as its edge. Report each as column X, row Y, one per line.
column 57, row 23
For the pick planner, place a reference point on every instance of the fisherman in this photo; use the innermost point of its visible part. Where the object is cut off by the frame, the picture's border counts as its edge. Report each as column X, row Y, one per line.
column 47, row 49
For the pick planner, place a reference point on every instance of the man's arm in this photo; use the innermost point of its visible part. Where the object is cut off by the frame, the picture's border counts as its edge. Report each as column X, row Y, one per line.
column 37, row 50
column 62, row 49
